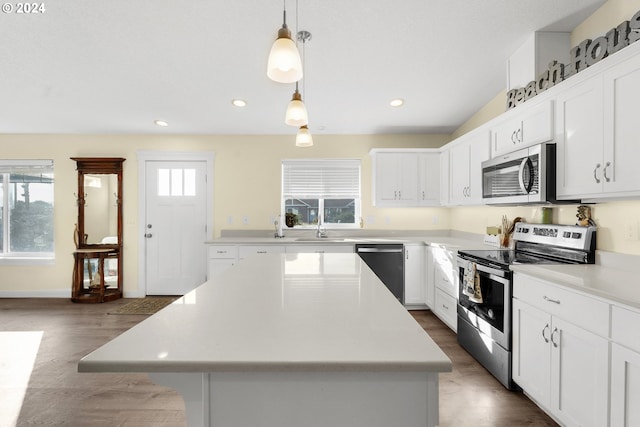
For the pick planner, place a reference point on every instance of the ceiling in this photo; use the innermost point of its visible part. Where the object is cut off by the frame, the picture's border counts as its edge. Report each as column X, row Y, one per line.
column 113, row 67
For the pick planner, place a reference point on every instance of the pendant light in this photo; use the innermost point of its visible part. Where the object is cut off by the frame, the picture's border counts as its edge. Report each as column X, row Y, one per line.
column 284, row 65
column 296, row 111
column 304, row 138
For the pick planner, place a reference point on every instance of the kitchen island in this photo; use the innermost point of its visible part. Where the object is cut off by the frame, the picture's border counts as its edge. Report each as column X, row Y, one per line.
column 284, row 340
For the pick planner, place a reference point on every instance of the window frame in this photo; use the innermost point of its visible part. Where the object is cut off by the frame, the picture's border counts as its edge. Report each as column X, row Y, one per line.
column 14, row 166
column 343, row 162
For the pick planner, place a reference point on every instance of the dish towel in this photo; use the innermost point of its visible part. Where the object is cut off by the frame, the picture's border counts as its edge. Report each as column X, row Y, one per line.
column 471, row 283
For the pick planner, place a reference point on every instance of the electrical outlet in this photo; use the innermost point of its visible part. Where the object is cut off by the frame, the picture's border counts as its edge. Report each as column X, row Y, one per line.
column 229, row 220
column 631, row 231
column 245, row 220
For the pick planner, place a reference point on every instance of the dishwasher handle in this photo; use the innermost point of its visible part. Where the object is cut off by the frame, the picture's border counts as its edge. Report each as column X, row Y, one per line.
column 378, row 250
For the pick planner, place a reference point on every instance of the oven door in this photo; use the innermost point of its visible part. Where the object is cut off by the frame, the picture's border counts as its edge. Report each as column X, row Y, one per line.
column 492, row 316
column 515, row 177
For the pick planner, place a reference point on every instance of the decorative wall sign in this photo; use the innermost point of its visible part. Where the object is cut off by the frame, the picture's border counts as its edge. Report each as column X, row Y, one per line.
column 587, row 53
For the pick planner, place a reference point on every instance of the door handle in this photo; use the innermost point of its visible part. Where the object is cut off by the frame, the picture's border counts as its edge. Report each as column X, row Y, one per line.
column 525, row 186
column 546, row 328
column 604, row 171
column 555, row 344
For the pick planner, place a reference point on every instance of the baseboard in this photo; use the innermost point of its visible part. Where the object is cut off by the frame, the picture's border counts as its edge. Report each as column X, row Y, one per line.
column 54, row 293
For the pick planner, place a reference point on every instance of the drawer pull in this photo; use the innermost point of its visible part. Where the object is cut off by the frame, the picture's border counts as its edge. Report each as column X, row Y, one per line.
column 546, row 328
column 221, row 252
column 445, row 307
column 555, row 301
column 261, row 252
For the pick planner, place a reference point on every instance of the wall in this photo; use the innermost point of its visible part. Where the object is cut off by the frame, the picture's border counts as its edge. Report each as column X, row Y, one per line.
column 246, row 184
column 612, row 218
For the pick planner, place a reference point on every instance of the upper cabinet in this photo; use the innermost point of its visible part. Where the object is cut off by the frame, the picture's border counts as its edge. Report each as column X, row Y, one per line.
column 465, row 167
column 403, row 178
column 579, row 124
column 598, row 150
column 528, row 127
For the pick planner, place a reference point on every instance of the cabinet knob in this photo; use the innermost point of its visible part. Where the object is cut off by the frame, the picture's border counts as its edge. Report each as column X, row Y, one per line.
column 148, row 235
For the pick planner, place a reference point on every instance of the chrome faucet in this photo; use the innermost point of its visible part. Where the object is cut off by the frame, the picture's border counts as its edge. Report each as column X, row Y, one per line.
column 320, row 231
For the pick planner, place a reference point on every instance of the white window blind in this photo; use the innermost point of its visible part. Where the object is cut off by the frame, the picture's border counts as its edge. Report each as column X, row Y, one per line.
column 321, row 179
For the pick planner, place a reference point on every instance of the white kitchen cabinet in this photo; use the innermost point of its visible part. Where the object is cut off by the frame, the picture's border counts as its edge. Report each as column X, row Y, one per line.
column 625, row 387
column 414, row 278
column 429, row 179
column 579, row 138
column 620, row 171
column 430, row 285
column 406, row 177
column 561, row 365
column 220, row 258
column 597, row 135
column 625, row 367
column 445, row 308
column 396, row 179
column 445, row 178
column 245, row 251
column 531, row 125
column 465, row 163
column 445, row 285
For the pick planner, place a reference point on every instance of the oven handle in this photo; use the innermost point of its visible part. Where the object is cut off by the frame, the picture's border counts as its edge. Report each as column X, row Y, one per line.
column 493, row 273
column 525, row 186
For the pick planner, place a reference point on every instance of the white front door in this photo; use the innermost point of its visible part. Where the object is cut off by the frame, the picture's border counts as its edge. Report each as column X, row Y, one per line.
column 175, row 226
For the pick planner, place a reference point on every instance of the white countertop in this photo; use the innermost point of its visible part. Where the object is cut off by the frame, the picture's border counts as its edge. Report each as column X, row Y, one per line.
column 614, row 284
column 297, row 312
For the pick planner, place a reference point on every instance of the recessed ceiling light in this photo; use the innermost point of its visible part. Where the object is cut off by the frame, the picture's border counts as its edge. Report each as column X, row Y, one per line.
column 398, row 102
column 161, row 123
column 239, row 102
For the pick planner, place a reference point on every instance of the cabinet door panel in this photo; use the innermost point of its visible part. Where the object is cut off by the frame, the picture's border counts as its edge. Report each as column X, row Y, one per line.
column 459, row 174
column 387, row 184
column 579, row 366
column 408, row 171
column 479, row 152
column 505, row 137
column 414, row 283
column 537, row 125
column 621, row 145
column 429, row 171
column 579, row 134
column 531, row 351
column 625, row 387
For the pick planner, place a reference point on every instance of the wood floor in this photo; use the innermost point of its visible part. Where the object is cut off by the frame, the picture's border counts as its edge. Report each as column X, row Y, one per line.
column 57, row 395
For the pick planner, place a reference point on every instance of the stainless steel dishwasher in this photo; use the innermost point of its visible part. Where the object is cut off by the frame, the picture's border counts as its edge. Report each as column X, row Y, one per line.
column 387, row 262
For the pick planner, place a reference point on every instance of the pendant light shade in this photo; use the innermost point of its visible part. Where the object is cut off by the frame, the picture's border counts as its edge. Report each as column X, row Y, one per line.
column 284, row 65
column 303, row 138
column 296, row 111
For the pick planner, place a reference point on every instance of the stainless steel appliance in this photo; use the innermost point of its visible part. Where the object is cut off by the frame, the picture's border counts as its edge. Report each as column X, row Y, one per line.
column 484, row 321
column 387, row 262
column 526, row 176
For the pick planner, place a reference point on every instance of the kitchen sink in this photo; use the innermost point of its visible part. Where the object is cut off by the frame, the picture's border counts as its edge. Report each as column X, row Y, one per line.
column 319, row 239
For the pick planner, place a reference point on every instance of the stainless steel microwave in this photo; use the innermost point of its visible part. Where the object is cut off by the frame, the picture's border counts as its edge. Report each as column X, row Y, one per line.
column 526, row 176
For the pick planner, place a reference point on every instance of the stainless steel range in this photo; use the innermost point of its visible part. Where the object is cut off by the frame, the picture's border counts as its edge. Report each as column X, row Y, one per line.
column 485, row 287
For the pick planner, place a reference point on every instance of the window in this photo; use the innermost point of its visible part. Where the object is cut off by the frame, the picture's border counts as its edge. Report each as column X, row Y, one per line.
column 26, row 208
column 329, row 189
column 176, row 182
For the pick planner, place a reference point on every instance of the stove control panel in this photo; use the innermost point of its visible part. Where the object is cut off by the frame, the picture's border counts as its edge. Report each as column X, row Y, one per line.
column 566, row 236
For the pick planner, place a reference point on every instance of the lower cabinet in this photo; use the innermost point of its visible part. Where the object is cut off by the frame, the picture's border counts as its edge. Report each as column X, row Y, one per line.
column 625, row 387
column 414, row 278
column 445, row 307
column 220, row 258
column 442, row 287
column 561, row 366
column 625, row 367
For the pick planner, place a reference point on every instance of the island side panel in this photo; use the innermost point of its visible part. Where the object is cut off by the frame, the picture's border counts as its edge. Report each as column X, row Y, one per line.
column 312, row 399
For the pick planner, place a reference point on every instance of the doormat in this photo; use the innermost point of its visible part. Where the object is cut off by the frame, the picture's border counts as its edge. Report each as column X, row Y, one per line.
column 147, row 305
